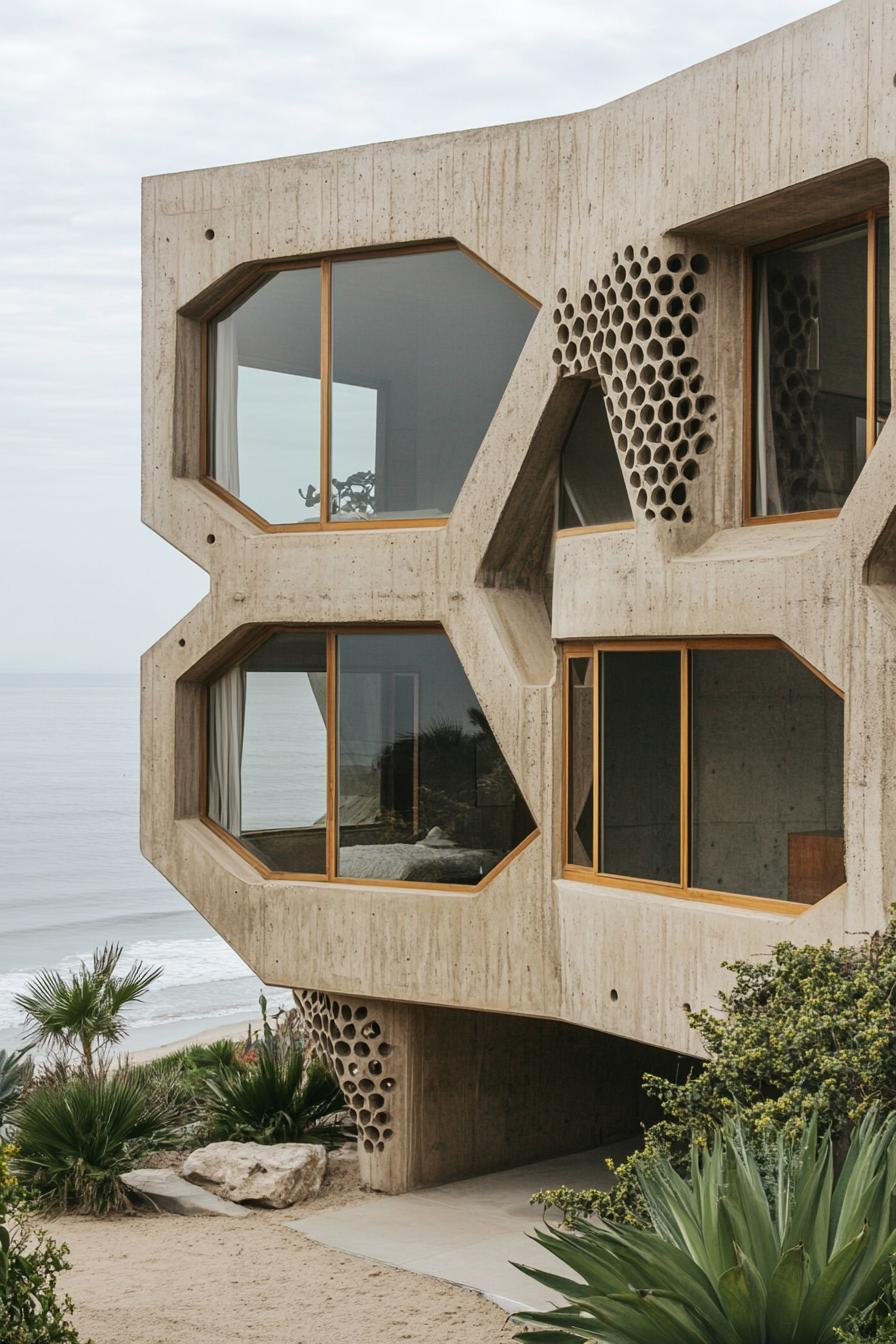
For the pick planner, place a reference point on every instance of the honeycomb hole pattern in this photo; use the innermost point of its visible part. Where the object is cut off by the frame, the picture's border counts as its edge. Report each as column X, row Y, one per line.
column 352, row 1043
column 634, row 328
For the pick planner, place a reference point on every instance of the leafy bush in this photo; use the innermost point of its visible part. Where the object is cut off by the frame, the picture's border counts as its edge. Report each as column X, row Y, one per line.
column 16, row 1071
column 727, row 1259
column 813, row 1029
column 76, row 1138
column 31, row 1311
column 276, row 1097
column 84, row 1012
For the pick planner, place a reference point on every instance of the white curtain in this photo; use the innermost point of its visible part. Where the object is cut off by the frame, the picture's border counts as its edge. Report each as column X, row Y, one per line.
column 768, row 490
column 227, row 451
column 227, row 714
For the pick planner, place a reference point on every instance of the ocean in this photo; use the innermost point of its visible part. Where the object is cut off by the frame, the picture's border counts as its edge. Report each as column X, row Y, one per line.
column 72, row 877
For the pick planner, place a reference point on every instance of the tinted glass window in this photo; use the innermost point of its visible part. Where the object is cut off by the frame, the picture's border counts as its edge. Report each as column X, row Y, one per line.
column 265, row 397
column 766, row 776
column 423, row 348
column 809, row 370
column 592, row 489
column 640, row 753
column 424, row 792
column 580, row 762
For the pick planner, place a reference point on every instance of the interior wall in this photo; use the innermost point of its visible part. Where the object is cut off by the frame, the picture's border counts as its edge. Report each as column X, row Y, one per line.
column 767, row 763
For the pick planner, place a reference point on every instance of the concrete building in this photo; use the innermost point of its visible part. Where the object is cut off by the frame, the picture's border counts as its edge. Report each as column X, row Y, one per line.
column 577, row 676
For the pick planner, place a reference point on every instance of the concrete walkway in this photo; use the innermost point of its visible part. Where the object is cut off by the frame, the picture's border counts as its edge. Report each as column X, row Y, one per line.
column 466, row 1232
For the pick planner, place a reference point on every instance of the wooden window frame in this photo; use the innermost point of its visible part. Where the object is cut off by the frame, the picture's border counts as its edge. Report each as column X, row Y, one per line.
column 237, row 296
column 253, row 641
column 870, row 219
column 592, row 649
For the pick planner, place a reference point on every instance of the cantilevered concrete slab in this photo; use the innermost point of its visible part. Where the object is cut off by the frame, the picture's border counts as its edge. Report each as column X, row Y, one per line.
column 466, row 1232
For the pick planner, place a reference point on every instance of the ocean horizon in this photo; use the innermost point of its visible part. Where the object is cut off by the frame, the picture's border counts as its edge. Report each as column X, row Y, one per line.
column 73, row 877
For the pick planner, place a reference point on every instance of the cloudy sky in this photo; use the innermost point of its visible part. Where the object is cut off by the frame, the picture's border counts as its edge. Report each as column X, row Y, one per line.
column 96, row 95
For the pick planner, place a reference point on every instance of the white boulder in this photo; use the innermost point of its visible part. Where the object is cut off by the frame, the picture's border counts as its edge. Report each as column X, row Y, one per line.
column 273, row 1174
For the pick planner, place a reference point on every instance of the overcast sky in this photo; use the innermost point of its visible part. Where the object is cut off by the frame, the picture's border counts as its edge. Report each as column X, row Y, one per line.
column 96, row 95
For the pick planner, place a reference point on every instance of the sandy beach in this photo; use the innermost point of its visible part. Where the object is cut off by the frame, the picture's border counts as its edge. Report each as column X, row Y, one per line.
column 160, row 1279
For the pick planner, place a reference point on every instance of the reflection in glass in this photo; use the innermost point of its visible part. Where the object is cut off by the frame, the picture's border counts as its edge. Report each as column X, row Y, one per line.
column 267, row 768
column 766, row 776
column 265, row 394
column 882, row 323
column 592, row 489
column 640, row 760
column 580, row 763
column 424, row 792
column 809, row 373
column 423, row 347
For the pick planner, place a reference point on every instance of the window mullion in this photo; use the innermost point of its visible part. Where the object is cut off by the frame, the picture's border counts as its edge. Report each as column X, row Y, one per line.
column 326, row 394
column 332, row 762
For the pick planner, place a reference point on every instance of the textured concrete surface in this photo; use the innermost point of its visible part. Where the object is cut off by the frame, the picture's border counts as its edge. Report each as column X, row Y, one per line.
column 467, row 1232
column 804, row 114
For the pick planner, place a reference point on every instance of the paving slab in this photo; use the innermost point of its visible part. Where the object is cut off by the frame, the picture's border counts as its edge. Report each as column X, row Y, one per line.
column 172, row 1194
column 466, row 1232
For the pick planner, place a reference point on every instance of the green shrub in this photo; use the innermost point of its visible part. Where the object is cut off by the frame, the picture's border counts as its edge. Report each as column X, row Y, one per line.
column 758, row 1244
column 31, row 1310
column 813, row 1029
column 277, row 1097
column 76, row 1138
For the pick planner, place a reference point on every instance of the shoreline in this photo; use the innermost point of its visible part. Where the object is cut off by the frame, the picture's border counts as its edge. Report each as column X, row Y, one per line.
column 234, row 1031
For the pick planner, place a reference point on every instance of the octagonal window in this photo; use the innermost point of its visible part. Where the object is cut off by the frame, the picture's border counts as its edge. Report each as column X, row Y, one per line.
column 362, row 756
column 377, row 375
column 703, row 766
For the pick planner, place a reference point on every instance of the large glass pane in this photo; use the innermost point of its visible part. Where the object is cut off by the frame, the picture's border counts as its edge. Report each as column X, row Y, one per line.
column 580, row 762
column 809, row 373
column 265, row 399
column 424, row 792
column 882, row 324
column 640, row 765
column 592, row 489
column 268, row 752
column 423, row 348
column 766, row 776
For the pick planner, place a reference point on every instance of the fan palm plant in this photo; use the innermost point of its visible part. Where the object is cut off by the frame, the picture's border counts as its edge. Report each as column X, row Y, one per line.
column 75, row 1139
column 728, row 1260
column 277, row 1098
column 84, row 1012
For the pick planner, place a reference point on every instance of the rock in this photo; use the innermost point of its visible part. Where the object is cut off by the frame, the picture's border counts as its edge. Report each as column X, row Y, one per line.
column 172, row 1194
column 273, row 1174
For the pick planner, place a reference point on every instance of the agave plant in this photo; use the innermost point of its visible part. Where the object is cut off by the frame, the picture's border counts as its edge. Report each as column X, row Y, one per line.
column 84, row 1011
column 728, row 1260
column 75, row 1139
column 16, row 1071
column 277, row 1098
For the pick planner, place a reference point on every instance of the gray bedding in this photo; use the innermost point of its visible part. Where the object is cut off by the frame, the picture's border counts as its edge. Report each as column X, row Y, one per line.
column 417, row 863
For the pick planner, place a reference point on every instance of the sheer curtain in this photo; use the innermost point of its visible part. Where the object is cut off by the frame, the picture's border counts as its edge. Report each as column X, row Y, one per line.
column 226, row 469
column 767, row 486
column 227, row 713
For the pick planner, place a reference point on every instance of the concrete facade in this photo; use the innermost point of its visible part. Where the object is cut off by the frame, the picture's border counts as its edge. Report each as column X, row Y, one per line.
column 794, row 129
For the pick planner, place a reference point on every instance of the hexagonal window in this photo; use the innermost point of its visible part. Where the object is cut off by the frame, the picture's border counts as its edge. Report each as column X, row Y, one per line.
column 704, row 766
column 359, row 755
column 378, row 374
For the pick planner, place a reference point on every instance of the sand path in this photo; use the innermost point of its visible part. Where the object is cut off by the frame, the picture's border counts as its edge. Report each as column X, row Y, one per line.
column 157, row 1279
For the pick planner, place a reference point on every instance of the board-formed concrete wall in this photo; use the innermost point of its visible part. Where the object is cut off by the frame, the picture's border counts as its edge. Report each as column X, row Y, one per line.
column 792, row 129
